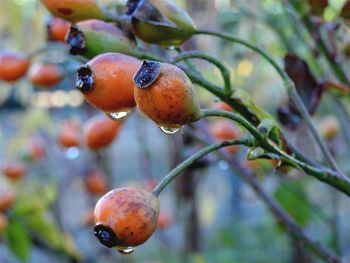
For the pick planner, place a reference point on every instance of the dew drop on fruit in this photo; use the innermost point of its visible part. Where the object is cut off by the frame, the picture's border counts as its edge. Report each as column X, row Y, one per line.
column 168, row 130
column 117, row 115
column 125, row 250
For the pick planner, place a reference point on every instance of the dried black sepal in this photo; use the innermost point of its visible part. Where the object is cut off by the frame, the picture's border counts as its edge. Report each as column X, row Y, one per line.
column 76, row 41
column 147, row 74
column 132, row 6
column 85, row 79
column 145, row 11
column 106, row 236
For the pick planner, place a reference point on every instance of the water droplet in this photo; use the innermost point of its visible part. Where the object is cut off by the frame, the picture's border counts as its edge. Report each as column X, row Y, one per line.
column 125, row 250
column 117, row 115
column 72, row 153
column 168, row 130
column 172, row 47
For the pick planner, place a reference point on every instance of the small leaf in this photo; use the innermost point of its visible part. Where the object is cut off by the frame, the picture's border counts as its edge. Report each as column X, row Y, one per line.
column 18, row 240
column 45, row 228
column 307, row 87
column 292, row 198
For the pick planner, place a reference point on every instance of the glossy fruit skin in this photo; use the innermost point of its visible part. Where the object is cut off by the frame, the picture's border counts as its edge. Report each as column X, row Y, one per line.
column 90, row 45
column 180, row 28
column 95, row 182
column 100, row 131
column 113, row 87
column 14, row 170
column 69, row 134
column 13, row 66
column 45, row 75
column 7, row 199
column 131, row 214
column 225, row 130
column 170, row 101
column 58, row 29
column 74, row 10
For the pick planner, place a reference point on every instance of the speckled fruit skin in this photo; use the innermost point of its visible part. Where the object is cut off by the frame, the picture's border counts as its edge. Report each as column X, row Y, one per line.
column 170, row 101
column 131, row 213
column 100, row 131
column 13, row 66
column 225, row 130
column 45, row 75
column 74, row 10
column 113, row 89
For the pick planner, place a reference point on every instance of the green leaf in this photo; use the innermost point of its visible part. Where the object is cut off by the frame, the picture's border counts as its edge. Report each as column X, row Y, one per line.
column 18, row 240
column 293, row 199
column 45, row 228
column 69, row 247
column 264, row 117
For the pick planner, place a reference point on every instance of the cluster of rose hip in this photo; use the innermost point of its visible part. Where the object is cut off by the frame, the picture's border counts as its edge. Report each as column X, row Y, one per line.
column 114, row 81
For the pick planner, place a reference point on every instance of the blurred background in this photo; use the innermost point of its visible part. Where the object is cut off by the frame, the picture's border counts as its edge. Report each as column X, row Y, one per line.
column 48, row 188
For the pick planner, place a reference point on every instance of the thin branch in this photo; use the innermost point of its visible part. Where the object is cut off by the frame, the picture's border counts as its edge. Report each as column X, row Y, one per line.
column 190, row 160
column 291, row 89
column 325, row 175
column 223, row 69
column 283, row 217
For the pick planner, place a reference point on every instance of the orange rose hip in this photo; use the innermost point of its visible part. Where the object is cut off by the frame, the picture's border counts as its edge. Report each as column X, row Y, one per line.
column 95, row 182
column 100, row 131
column 106, row 82
column 125, row 218
column 45, row 75
column 14, row 170
column 165, row 94
column 58, row 28
column 225, row 130
column 13, row 66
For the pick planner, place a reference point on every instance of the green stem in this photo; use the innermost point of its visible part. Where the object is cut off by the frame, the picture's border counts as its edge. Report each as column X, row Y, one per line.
column 189, row 161
column 291, row 89
column 334, row 179
column 223, row 69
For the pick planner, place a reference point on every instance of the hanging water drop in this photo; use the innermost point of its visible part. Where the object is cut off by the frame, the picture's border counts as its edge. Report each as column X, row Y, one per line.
column 117, row 115
column 125, row 250
column 168, row 130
